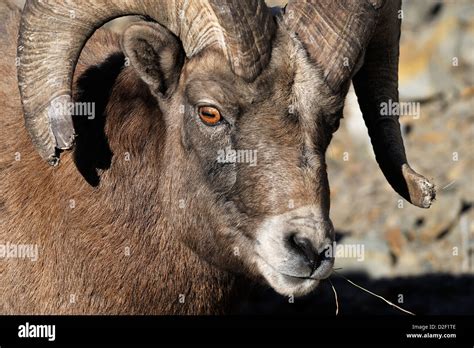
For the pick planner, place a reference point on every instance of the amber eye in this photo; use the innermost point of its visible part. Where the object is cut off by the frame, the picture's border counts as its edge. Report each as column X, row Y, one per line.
column 209, row 115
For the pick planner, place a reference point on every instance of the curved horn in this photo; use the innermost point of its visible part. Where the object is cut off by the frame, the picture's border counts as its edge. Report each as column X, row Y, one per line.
column 340, row 36
column 53, row 33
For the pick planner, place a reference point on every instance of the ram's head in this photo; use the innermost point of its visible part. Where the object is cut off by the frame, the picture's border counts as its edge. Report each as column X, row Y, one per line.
column 251, row 97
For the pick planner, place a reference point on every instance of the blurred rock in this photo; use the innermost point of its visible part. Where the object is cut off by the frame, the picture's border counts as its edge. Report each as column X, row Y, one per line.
column 376, row 260
column 396, row 241
column 411, row 241
column 437, row 48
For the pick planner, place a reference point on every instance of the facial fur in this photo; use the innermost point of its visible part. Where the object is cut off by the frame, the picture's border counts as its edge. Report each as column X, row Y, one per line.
column 282, row 117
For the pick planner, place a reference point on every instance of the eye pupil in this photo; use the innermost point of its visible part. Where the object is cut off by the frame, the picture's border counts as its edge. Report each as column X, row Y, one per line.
column 209, row 115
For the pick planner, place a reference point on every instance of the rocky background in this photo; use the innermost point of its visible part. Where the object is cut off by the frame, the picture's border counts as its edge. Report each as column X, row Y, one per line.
column 422, row 260
column 437, row 71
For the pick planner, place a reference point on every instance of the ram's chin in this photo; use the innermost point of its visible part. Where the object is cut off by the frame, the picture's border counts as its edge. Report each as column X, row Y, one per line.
column 284, row 284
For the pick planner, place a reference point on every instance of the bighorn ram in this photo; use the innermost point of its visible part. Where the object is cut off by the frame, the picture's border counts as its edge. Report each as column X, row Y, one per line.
column 141, row 217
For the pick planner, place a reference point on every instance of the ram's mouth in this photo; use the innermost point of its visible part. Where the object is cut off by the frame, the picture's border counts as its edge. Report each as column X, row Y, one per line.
column 291, row 250
column 284, row 283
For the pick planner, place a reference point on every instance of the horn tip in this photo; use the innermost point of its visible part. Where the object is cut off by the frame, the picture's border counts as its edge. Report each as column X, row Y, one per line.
column 53, row 161
column 50, row 156
column 421, row 191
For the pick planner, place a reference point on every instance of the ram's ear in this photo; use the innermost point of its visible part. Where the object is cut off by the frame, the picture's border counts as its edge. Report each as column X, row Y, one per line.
column 156, row 54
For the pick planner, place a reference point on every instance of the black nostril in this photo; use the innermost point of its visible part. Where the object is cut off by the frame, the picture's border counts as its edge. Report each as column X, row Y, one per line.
column 304, row 247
